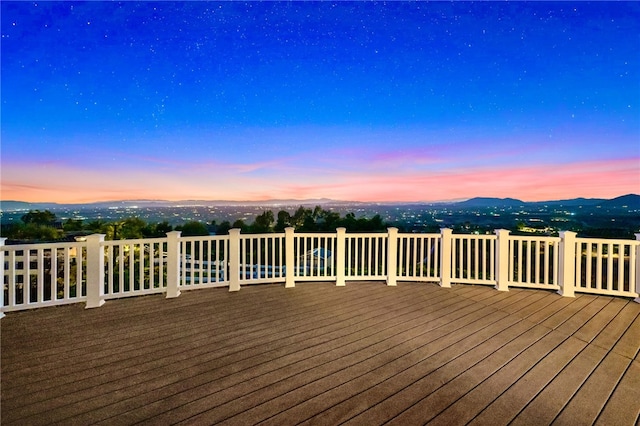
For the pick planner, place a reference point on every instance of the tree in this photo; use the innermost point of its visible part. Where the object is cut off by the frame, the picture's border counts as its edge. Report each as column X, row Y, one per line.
column 38, row 217
column 239, row 224
column 329, row 220
column 162, row 228
column 96, row 226
column 317, row 212
column 72, row 225
column 223, row 228
column 34, row 231
column 193, row 228
column 349, row 221
column 309, row 224
column 284, row 221
column 131, row 228
column 263, row 222
column 156, row 230
column 376, row 224
column 298, row 218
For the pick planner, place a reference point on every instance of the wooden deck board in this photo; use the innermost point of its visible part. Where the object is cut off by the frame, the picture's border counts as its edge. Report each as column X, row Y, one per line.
column 617, row 327
column 385, row 340
column 146, row 362
column 365, row 353
column 507, row 353
column 235, row 338
column 362, row 389
column 572, row 355
column 594, row 393
column 622, row 407
column 550, row 399
column 423, row 378
column 221, row 367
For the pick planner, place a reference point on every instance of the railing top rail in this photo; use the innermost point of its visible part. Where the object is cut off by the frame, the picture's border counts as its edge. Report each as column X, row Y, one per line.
column 42, row 246
column 476, row 236
column 265, row 235
column 366, row 234
column 535, row 237
column 607, row 241
column 316, row 234
column 419, row 235
column 204, row 237
column 133, row 241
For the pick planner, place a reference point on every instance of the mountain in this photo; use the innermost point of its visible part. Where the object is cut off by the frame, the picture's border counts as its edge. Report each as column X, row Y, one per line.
column 11, row 205
column 574, row 202
column 630, row 201
column 483, row 202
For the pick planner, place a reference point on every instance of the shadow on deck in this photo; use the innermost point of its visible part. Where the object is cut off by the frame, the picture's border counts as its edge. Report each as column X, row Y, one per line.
column 363, row 354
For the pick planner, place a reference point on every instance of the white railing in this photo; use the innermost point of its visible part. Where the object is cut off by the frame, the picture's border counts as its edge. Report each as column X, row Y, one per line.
column 605, row 266
column 39, row 275
column 418, row 257
column 92, row 271
column 314, row 258
column 203, row 262
column 533, row 262
column 472, row 259
column 366, row 256
column 261, row 259
column 134, row 267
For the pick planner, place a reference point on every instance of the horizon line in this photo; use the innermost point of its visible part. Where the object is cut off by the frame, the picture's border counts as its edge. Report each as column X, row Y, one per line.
column 306, row 200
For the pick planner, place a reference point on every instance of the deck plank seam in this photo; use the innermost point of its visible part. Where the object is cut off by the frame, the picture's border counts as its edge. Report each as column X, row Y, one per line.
column 447, row 298
column 361, row 349
column 337, row 321
column 506, row 314
column 548, row 331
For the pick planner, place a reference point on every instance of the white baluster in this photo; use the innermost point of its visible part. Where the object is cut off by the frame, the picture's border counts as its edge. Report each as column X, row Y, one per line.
column 392, row 256
column 567, row 263
column 289, row 238
column 445, row 257
column 95, row 271
column 173, row 264
column 502, row 260
column 234, row 260
column 340, row 256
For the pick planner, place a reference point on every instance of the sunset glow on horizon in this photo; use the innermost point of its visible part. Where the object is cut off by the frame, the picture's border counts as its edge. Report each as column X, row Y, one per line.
column 363, row 102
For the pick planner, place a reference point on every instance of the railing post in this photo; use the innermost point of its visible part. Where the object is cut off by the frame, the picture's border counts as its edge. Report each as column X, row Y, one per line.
column 289, row 257
column 392, row 256
column 502, row 260
column 95, row 271
column 340, row 256
column 234, row 259
column 173, row 264
column 566, row 270
column 2, row 240
column 637, row 299
column 445, row 257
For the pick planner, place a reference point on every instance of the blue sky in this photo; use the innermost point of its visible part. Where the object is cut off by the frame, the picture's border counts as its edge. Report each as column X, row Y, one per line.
column 358, row 101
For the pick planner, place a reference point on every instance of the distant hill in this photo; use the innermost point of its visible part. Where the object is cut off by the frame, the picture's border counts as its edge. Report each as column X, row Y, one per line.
column 11, row 205
column 482, row 202
column 631, row 201
column 574, row 202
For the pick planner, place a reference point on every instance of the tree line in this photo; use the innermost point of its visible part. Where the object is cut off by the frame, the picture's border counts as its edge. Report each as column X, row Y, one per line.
column 44, row 225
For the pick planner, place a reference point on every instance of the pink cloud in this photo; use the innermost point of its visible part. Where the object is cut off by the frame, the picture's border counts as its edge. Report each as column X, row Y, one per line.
column 291, row 179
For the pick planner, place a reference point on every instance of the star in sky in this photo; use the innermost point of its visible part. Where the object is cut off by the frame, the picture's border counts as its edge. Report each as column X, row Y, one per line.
column 368, row 101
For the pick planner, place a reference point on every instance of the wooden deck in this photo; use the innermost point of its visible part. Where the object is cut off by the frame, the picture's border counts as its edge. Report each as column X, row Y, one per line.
column 319, row 354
